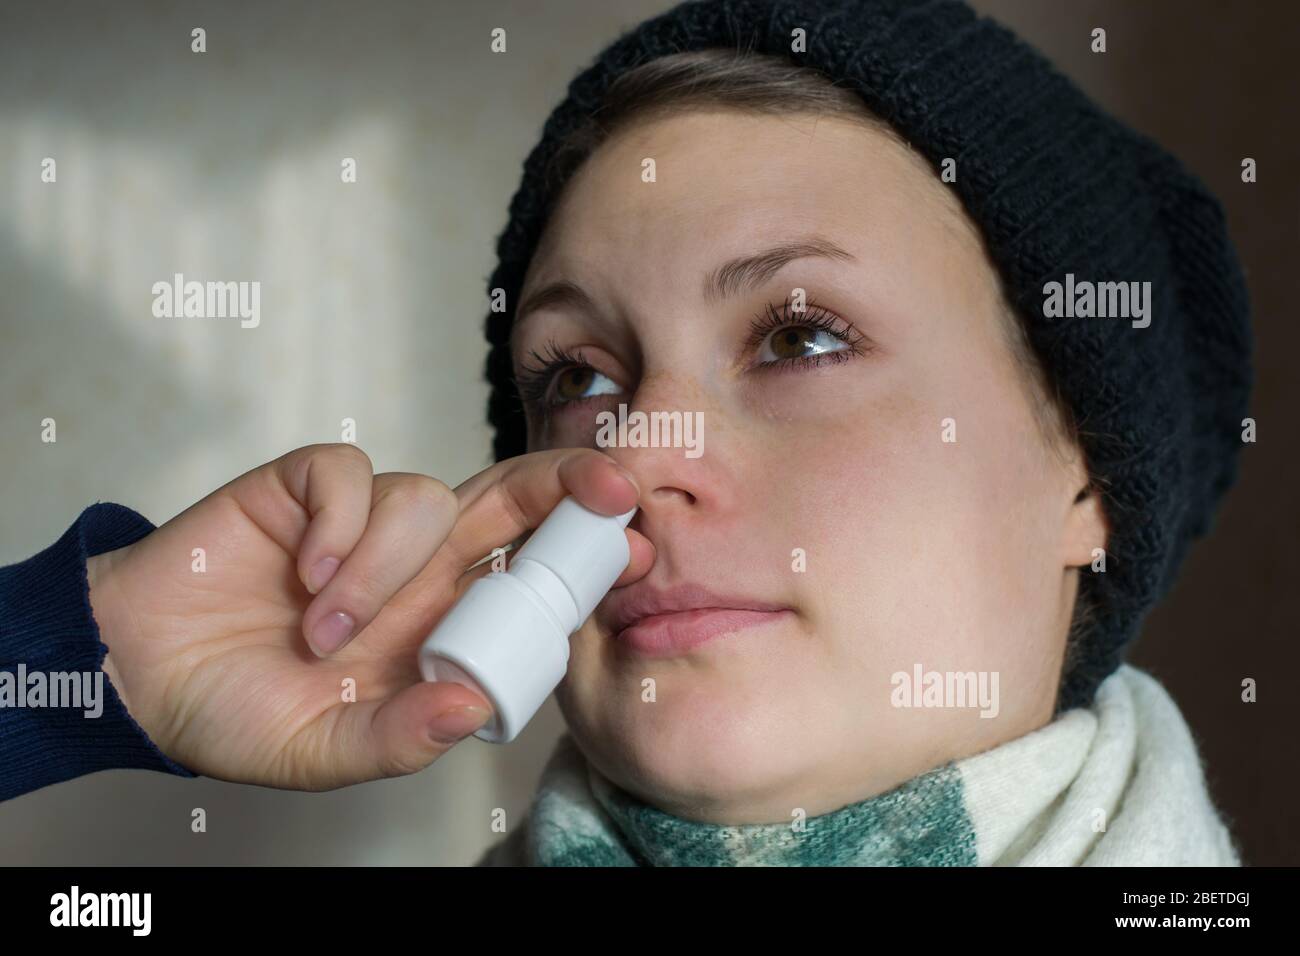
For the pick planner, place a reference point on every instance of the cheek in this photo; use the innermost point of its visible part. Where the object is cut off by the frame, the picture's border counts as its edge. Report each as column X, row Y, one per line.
column 911, row 539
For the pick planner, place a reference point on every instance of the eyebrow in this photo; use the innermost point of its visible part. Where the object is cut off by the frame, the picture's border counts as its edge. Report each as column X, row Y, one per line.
column 560, row 293
column 745, row 273
column 733, row 277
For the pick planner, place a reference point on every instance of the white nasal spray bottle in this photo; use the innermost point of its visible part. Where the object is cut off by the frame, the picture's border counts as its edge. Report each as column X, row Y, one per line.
column 507, row 638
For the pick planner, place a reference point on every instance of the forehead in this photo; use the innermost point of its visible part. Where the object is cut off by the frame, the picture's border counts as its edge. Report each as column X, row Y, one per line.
column 722, row 178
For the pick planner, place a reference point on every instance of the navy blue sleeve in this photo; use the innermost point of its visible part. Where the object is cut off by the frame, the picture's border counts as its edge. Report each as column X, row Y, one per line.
column 49, row 640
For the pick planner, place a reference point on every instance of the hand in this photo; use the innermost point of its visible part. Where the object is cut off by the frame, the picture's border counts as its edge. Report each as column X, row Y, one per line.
column 239, row 672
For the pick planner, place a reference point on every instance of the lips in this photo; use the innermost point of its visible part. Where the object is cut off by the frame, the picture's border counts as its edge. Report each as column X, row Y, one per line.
column 660, row 621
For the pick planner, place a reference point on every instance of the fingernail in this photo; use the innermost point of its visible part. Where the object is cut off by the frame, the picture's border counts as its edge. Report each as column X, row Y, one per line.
column 451, row 725
column 332, row 632
column 321, row 573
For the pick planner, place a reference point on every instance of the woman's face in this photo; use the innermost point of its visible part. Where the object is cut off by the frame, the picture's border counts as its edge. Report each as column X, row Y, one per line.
column 827, row 482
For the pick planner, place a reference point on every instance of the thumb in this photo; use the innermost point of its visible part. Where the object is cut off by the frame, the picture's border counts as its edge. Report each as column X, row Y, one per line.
column 413, row 728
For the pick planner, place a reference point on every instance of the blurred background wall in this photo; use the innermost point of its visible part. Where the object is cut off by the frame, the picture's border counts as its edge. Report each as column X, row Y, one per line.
column 226, row 165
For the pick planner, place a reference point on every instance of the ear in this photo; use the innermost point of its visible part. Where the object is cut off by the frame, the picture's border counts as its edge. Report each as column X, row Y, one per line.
column 1086, row 527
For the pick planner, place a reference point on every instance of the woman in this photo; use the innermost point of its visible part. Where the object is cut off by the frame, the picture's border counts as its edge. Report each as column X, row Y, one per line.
column 937, row 503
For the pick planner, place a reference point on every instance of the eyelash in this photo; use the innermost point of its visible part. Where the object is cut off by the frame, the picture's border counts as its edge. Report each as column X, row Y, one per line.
column 534, row 382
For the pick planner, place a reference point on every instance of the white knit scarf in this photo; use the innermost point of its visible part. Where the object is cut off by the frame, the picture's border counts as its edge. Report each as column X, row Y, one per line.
column 1116, row 784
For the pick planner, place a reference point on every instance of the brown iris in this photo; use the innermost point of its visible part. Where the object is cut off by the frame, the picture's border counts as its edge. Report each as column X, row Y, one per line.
column 578, row 377
column 795, row 337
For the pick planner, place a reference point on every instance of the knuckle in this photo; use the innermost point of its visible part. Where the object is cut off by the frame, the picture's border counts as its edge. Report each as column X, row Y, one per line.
column 425, row 493
column 367, row 592
column 399, row 764
column 513, row 508
column 347, row 454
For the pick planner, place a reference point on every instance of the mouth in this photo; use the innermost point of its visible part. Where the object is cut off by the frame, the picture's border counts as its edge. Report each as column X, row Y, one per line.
column 664, row 622
column 663, row 635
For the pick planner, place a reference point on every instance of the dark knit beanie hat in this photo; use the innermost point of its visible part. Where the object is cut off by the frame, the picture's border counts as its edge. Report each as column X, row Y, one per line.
column 1058, row 187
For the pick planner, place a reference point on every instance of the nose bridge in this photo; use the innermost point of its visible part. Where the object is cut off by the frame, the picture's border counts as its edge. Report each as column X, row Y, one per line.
column 668, row 389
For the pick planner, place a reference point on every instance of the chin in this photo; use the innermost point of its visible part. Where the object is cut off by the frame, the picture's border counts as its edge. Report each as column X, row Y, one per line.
column 699, row 750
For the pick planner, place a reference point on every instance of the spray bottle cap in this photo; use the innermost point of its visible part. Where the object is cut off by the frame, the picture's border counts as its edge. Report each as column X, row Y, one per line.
column 507, row 638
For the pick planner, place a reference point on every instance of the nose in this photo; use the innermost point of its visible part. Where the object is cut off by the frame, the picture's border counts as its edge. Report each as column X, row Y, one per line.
column 659, row 436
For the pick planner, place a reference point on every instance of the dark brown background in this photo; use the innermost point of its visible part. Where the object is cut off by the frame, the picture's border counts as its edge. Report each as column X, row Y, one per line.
column 1215, row 82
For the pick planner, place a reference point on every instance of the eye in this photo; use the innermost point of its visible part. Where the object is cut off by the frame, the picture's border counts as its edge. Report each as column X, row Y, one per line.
column 785, row 339
column 571, row 384
column 575, row 380
column 799, row 341
column 811, row 336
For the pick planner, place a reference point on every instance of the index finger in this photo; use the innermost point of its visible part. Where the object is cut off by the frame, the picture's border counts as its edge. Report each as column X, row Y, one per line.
column 514, row 496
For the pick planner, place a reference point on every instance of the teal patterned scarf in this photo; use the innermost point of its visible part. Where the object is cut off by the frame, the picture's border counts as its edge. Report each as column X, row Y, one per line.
column 1116, row 784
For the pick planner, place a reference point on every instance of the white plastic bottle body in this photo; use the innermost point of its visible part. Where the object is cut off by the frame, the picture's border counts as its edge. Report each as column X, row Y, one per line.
column 510, row 645
column 507, row 638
